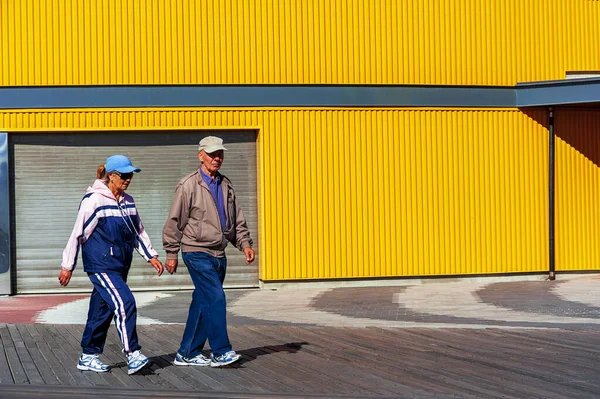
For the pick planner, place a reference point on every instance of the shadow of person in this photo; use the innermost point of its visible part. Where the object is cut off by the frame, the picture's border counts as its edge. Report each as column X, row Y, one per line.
column 248, row 355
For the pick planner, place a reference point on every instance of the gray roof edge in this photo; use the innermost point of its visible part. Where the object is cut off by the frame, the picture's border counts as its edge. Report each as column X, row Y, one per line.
column 561, row 82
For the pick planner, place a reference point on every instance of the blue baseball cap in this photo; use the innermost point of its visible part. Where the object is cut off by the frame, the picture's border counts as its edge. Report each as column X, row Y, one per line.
column 121, row 164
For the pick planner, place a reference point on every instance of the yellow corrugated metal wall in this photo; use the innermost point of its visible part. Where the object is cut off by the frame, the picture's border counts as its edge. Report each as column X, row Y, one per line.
column 480, row 42
column 375, row 192
column 577, row 189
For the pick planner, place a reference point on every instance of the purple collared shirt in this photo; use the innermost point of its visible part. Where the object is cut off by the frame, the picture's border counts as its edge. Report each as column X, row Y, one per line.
column 214, row 185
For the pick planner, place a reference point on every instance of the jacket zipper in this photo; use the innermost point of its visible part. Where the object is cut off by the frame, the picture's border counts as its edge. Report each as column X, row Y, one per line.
column 217, row 210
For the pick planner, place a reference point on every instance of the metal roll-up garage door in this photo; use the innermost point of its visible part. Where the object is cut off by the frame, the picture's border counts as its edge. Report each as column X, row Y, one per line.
column 52, row 171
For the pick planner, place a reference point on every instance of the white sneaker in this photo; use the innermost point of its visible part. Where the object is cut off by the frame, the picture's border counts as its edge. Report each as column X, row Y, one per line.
column 199, row 360
column 136, row 361
column 224, row 359
column 91, row 363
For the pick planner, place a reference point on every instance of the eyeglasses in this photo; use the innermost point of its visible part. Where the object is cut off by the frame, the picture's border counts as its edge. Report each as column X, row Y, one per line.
column 124, row 176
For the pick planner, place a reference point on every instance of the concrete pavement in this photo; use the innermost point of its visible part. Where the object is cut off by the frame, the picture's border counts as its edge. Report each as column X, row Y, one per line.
column 565, row 303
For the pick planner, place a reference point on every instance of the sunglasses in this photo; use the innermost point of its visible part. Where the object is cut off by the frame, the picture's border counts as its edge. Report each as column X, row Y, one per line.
column 124, row 176
column 215, row 154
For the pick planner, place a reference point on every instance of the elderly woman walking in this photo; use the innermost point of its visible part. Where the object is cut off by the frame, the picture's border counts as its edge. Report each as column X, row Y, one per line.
column 108, row 229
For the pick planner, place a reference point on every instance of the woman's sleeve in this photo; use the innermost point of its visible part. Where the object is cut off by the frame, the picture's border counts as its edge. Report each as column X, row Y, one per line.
column 85, row 224
column 144, row 246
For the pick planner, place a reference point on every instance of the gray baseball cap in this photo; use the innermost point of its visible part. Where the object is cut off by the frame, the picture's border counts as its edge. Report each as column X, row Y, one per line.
column 211, row 144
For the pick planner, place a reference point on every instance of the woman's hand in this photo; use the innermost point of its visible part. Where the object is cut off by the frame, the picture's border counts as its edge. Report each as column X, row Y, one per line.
column 64, row 277
column 157, row 265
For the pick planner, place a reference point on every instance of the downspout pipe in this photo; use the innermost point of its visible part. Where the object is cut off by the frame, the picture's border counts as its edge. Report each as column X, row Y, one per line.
column 552, row 259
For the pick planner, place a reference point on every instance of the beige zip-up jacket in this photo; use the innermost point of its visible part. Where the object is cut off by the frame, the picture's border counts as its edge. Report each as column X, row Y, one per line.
column 193, row 224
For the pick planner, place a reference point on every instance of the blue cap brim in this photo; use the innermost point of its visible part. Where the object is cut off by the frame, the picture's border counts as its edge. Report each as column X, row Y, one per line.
column 128, row 169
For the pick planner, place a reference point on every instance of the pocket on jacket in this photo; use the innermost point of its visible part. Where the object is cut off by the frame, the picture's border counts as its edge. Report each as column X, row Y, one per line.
column 196, row 228
column 113, row 252
column 116, row 253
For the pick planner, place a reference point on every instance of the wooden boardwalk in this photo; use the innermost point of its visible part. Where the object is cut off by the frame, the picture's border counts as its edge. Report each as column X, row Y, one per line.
column 301, row 361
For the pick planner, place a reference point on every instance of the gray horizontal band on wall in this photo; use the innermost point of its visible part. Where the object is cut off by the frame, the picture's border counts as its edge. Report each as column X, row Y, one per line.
column 255, row 96
column 573, row 91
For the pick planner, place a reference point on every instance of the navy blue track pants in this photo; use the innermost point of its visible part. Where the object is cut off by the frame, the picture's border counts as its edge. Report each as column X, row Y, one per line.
column 111, row 299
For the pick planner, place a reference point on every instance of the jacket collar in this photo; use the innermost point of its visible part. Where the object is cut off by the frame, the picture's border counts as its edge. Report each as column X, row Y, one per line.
column 225, row 183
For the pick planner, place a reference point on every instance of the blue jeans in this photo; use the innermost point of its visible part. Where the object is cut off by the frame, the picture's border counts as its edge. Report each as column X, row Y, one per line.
column 207, row 317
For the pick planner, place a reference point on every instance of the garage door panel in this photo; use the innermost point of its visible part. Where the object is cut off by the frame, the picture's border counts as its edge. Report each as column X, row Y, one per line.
column 52, row 171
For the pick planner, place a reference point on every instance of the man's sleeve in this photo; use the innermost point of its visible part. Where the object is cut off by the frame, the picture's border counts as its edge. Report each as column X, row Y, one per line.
column 176, row 222
column 242, row 233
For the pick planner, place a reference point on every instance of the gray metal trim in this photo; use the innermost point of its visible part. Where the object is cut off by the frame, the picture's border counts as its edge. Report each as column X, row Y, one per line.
column 565, row 92
column 255, row 96
column 5, row 257
column 564, row 82
column 530, row 94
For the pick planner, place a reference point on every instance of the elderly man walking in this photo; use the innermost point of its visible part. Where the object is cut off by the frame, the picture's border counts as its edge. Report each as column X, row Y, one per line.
column 204, row 217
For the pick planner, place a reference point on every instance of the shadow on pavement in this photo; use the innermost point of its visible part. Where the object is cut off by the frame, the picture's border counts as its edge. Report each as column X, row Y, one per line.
column 248, row 355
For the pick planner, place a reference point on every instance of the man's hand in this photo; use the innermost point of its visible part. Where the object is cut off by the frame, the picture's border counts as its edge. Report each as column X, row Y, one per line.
column 157, row 265
column 171, row 265
column 64, row 277
column 249, row 255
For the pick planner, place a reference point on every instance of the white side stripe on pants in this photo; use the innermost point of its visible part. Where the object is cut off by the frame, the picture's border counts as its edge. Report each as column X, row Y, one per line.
column 119, row 308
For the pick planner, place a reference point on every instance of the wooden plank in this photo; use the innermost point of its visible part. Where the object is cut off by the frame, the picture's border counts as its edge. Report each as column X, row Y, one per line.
column 5, row 372
column 450, row 375
column 538, row 369
column 384, row 377
column 7, row 341
column 63, row 376
column 417, row 368
column 18, row 373
column 414, row 370
column 153, row 372
column 460, row 363
column 112, row 356
column 144, row 377
column 175, row 332
column 72, row 342
column 164, row 360
column 66, row 355
column 387, row 353
column 161, row 344
column 195, row 375
column 41, row 366
column 17, row 370
column 478, row 378
column 33, row 375
column 267, row 374
column 271, row 368
column 58, row 392
column 316, row 368
column 238, row 379
column 378, row 380
column 294, row 360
